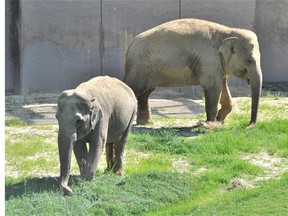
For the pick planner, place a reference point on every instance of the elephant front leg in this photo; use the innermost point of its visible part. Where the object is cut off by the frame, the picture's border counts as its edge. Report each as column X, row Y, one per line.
column 212, row 96
column 93, row 159
column 97, row 139
column 211, row 103
column 225, row 101
column 144, row 113
column 80, row 151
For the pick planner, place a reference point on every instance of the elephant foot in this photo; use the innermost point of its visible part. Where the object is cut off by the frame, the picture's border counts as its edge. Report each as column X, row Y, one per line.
column 144, row 121
column 67, row 190
column 108, row 170
column 250, row 126
column 220, row 119
column 144, row 117
column 119, row 172
column 88, row 176
column 210, row 124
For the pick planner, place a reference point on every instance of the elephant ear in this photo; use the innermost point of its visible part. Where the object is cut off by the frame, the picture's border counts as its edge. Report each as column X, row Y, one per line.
column 227, row 48
column 95, row 113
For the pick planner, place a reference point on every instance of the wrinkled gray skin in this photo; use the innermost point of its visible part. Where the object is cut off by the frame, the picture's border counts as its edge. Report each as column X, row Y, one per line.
column 194, row 52
column 99, row 112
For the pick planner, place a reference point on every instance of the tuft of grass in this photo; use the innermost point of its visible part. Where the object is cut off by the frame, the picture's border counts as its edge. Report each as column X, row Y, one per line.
column 12, row 121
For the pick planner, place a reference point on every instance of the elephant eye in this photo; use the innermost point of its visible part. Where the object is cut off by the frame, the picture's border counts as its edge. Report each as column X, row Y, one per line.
column 249, row 61
column 78, row 122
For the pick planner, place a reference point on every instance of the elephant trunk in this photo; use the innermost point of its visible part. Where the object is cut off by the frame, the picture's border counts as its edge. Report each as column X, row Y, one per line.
column 256, row 86
column 65, row 146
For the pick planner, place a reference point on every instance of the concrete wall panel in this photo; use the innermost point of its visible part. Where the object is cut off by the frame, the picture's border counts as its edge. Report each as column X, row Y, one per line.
column 234, row 13
column 272, row 30
column 60, row 44
column 123, row 20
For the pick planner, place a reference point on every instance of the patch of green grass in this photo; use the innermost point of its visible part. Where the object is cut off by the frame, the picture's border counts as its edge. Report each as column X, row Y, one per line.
column 269, row 198
column 106, row 195
column 138, row 162
column 14, row 122
column 30, row 150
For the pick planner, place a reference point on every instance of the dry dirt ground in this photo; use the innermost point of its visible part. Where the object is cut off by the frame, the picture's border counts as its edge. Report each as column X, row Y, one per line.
column 41, row 109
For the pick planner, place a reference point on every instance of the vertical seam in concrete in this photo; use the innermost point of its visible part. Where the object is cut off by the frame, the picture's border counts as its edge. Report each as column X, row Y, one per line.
column 101, row 43
column 19, row 48
column 180, row 15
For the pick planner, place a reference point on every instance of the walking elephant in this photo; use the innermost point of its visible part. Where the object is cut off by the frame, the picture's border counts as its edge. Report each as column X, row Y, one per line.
column 194, row 52
column 99, row 112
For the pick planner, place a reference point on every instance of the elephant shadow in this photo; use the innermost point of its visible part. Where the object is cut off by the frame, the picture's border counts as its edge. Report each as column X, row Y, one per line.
column 189, row 131
column 35, row 185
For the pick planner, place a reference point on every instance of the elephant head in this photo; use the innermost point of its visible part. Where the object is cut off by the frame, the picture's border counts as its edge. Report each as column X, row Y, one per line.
column 77, row 116
column 241, row 57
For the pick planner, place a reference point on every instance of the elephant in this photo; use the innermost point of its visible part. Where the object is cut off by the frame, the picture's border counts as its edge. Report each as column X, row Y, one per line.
column 99, row 112
column 188, row 52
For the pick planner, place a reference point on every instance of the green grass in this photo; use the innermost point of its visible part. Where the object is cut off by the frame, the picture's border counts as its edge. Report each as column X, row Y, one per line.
column 154, row 183
column 15, row 122
column 270, row 198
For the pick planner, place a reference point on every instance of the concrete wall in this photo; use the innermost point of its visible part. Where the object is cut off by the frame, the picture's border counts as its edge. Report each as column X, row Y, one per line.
column 12, row 52
column 66, row 42
column 60, row 44
column 123, row 20
column 272, row 29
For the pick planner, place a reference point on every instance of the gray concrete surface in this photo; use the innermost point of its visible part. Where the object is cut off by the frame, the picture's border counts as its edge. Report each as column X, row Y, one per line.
column 272, row 28
column 63, row 43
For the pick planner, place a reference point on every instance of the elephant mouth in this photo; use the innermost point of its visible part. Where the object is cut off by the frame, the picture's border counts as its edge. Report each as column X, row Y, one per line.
column 248, row 81
column 244, row 75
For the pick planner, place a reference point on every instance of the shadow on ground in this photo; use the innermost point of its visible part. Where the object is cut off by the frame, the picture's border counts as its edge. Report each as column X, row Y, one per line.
column 35, row 185
column 41, row 108
column 191, row 132
column 38, row 108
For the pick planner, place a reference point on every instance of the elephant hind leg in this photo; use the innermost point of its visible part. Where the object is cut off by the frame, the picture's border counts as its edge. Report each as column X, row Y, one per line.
column 109, row 156
column 118, row 147
column 144, row 112
column 225, row 101
column 119, row 157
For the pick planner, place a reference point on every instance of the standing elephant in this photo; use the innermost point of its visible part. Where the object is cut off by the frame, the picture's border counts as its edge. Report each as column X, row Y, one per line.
column 99, row 112
column 191, row 52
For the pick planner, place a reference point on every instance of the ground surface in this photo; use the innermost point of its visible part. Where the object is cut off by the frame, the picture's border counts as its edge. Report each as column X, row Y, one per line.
column 41, row 109
column 216, row 161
